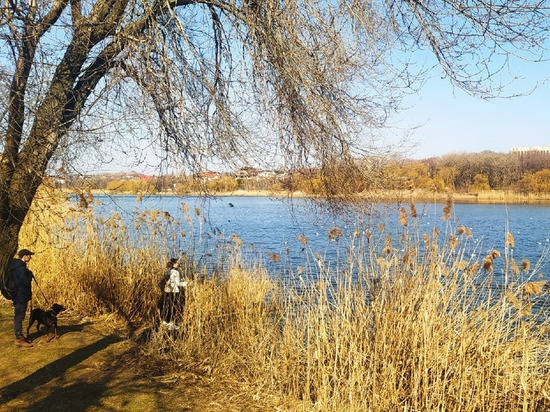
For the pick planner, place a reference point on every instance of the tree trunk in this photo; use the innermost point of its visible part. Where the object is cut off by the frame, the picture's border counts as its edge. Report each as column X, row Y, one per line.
column 9, row 231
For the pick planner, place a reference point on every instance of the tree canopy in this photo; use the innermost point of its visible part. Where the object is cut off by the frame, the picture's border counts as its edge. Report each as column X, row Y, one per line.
column 229, row 80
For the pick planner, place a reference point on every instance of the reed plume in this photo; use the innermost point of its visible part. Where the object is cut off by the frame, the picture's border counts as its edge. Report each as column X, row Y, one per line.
column 403, row 217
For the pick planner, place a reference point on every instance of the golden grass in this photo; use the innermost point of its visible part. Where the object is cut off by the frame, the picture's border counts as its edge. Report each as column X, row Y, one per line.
column 98, row 266
column 398, row 324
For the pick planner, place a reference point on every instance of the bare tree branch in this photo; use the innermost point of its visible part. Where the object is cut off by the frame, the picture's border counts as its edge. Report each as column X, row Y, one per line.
column 233, row 81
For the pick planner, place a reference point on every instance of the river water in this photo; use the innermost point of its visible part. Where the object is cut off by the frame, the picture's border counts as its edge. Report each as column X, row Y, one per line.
column 276, row 227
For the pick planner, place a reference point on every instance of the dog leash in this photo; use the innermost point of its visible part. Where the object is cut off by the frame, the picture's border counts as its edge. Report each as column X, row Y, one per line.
column 40, row 289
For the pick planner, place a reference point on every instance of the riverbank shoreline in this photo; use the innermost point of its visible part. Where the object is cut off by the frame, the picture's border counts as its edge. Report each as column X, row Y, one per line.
column 416, row 196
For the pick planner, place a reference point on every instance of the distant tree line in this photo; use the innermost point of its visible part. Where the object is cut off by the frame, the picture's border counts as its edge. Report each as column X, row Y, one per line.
column 527, row 172
column 523, row 172
column 178, row 184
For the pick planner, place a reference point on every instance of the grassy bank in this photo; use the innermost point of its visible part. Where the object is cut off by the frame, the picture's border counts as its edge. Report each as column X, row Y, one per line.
column 495, row 197
column 95, row 366
column 419, row 196
column 407, row 323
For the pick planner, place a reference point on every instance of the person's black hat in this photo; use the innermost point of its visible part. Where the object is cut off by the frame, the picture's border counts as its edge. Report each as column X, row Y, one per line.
column 25, row 252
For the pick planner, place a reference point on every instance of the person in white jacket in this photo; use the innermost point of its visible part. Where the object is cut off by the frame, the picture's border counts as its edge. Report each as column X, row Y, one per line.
column 174, row 294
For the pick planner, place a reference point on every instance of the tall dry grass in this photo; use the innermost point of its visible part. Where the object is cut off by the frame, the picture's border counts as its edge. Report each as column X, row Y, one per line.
column 410, row 323
column 107, row 265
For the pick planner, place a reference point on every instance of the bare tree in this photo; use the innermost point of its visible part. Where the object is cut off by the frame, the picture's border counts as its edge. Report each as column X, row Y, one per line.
column 226, row 80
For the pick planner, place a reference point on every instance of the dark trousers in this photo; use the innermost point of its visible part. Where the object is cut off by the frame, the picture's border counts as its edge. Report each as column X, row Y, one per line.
column 172, row 305
column 19, row 311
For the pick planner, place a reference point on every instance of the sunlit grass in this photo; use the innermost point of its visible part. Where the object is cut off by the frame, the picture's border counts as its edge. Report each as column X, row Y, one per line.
column 411, row 322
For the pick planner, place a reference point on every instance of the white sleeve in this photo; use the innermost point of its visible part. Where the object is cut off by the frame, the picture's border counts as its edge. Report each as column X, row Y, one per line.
column 176, row 279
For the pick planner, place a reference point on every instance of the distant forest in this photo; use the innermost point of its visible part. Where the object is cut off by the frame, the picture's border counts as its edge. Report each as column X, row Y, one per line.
column 527, row 172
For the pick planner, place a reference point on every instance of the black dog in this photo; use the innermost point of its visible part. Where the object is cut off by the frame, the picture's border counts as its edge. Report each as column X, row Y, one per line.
column 47, row 319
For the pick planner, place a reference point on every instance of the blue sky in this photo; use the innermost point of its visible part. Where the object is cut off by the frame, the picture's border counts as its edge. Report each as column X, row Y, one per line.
column 442, row 119
column 450, row 121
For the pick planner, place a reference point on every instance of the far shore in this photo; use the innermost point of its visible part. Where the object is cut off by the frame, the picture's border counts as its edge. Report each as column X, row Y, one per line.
column 417, row 196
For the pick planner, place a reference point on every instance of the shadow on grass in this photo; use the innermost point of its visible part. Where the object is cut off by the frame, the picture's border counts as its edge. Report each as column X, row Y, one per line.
column 75, row 397
column 55, row 369
column 82, row 395
column 61, row 330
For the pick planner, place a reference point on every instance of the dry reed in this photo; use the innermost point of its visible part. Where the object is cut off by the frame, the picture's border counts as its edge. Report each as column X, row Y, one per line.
column 380, row 331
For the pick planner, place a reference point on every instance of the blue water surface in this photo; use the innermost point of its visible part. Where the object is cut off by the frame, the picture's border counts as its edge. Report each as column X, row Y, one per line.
column 274, row 226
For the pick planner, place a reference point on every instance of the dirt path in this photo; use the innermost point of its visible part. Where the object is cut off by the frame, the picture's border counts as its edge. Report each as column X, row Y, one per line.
column 90, row 368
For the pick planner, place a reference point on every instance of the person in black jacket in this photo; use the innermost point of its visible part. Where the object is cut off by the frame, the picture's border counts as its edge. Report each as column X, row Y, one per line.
column 23, row 278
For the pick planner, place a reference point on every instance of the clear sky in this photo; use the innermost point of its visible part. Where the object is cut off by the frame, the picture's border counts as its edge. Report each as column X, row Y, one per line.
column 450, row 121
column 442, row 120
